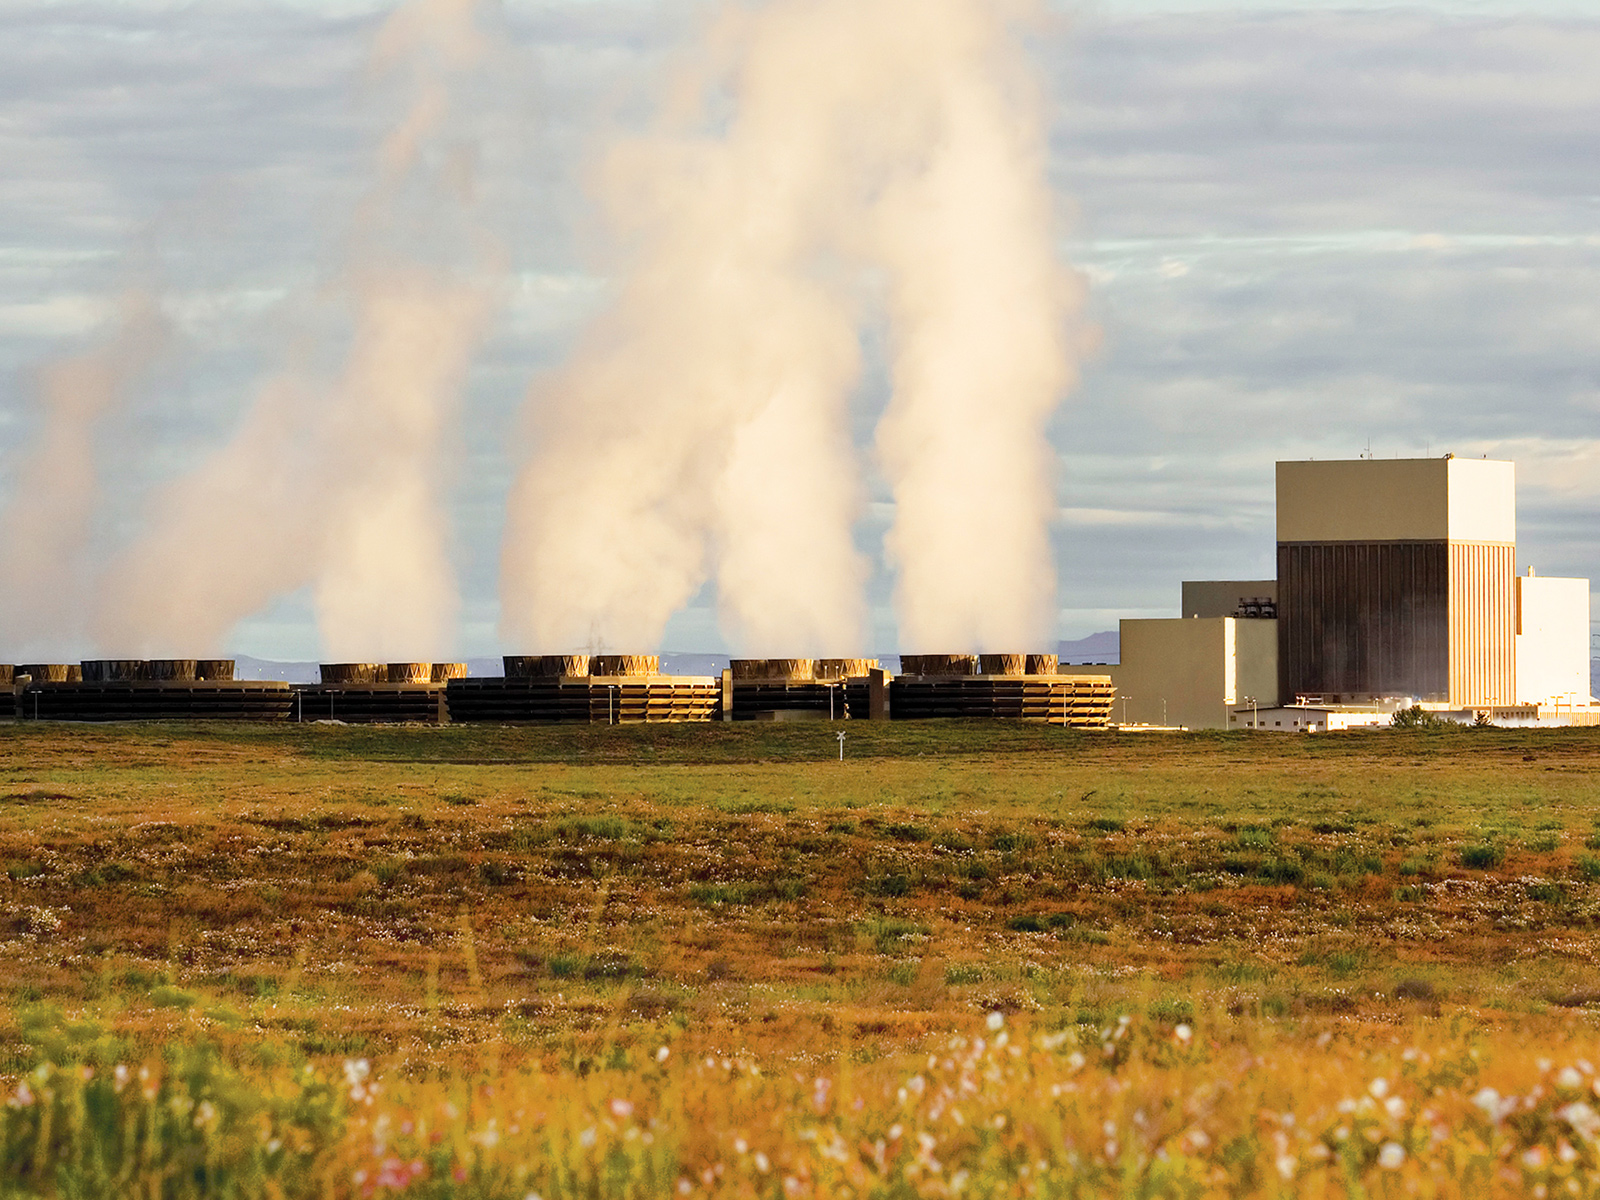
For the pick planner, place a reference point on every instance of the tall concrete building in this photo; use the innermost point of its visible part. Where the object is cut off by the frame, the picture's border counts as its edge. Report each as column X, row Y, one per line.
column 1396, row 578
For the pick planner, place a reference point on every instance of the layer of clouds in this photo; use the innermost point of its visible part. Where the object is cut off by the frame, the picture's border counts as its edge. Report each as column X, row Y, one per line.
column 1306, row 232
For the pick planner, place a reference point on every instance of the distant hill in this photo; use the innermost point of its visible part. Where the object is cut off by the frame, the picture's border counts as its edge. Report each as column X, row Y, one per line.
column 1096, row 648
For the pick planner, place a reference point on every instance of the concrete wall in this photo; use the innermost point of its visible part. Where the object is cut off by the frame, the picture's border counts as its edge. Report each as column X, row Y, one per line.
column 1220, row 597
column 1193, row 672
column 1256, row 656
column 1396, row 500
column 1552, row 640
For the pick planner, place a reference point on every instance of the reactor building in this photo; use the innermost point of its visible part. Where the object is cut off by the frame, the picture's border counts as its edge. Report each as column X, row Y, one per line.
column 1397, row 585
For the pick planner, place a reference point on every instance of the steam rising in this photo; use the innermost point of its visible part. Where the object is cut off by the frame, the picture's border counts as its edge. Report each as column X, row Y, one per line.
column 979, row 311
column 47, row 527
column 811, row 150
column 339, row 484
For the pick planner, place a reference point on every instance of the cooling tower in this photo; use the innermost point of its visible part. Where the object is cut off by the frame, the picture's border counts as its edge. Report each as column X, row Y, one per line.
column 173, row 670
column 623, row 666
column 788, row 670
column 834, row 669
column 115, row 670
column 938, row 664
column 1002, row 664
column 354, row 673
column 545, row 666
column 52, row 672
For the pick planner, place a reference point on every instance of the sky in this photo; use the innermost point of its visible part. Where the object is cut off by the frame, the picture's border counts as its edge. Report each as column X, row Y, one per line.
column 1309, row 230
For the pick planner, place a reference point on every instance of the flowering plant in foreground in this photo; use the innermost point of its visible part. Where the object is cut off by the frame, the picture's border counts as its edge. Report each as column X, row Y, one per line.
column 1133, row 1108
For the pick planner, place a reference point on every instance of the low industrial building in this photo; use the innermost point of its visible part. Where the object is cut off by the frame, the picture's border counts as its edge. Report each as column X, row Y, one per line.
column 1192, row 672
column 1310, row 718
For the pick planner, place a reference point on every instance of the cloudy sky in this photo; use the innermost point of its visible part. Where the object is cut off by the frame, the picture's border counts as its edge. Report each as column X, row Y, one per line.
column 1310, row 229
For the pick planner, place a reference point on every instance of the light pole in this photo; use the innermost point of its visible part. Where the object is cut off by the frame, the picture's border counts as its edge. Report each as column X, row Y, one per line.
column 1251, row 701
column 1124, row 708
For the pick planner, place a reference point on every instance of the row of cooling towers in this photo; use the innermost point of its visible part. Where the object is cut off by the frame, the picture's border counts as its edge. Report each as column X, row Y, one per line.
column 541, row 666
column 592, row 689
column 792, row 670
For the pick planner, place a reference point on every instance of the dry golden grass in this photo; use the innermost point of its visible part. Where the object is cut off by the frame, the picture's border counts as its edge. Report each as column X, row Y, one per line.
column 518, row 907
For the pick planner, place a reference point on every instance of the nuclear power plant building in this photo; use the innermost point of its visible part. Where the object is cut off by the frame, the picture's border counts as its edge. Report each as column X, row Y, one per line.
column 1397, row 585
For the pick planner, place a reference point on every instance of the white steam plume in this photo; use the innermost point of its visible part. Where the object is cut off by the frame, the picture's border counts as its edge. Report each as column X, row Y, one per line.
column 47, row 525
column 980, row 317
column 339, row 484
column 701, row 427
column 702, row 420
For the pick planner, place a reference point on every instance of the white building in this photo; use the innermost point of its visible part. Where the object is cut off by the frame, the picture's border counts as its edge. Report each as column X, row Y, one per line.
column 1552, row 641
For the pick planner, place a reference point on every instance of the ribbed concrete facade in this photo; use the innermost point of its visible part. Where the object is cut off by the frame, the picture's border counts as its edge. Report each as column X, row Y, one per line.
column 1483, row 624
column 1364, row 619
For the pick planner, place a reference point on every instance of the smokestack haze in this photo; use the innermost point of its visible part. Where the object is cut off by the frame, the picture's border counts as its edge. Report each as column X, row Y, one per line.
column 47, row 526
column 339, row 484
column 809, row 149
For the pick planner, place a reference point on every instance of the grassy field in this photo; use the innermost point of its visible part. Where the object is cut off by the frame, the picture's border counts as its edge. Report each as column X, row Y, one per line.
column 574, row 961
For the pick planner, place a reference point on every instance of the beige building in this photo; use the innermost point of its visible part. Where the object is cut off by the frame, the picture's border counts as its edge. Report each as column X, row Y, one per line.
column 1193, row 672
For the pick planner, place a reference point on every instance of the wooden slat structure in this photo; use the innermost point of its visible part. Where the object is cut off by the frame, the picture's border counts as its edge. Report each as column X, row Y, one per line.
column 353, row 672
column 175, row 670
column 938, row 665
column 621, row 700
column 148, row 700
column 544, row 666
column 371, row 703
column 114, row 670
column 1078, row 701
column 51, row 672
column 778, row 670
column 763, row 699
column 621, row 666
column 832, row 669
